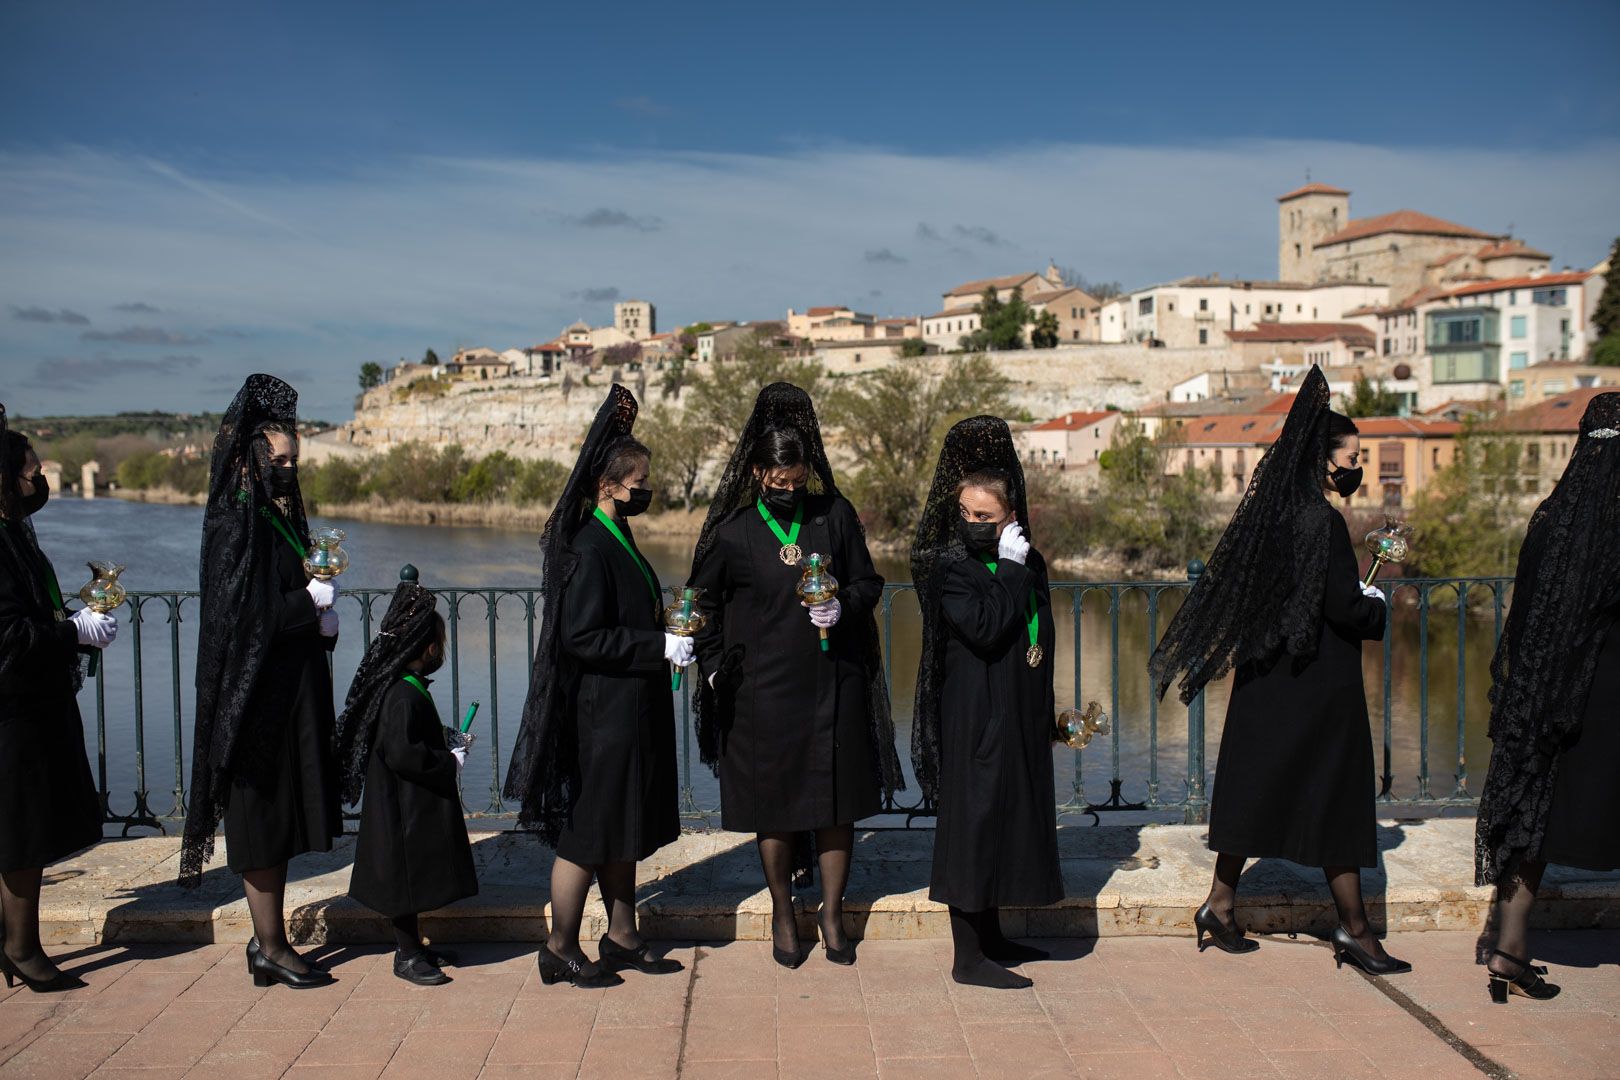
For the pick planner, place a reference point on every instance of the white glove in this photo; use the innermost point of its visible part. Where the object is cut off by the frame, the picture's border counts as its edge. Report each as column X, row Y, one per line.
column 460, row 754
column 324, row 593
column 1012, row 546
column 94, row 629
column 328, row 620
column 678, row 650
column 826, row 613
column 1374, row 593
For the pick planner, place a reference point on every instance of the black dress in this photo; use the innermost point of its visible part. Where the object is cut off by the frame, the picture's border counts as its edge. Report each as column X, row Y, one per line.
column 619, row 705
column 995, row 843
column 1583, row 823
column 412, row 854
column 796, row 742
column 290, row 804
column 48, row 803
column 1295, row 779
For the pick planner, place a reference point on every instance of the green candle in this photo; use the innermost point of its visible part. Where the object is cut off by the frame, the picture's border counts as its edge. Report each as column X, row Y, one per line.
column 466, row 721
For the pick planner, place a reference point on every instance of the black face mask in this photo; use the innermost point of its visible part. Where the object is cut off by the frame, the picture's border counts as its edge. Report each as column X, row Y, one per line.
column 782, row 500
column 32, row 504
column 432, row 662
column 281, row 480
column 637, row 503
column 1346, row 481
column 977, row 536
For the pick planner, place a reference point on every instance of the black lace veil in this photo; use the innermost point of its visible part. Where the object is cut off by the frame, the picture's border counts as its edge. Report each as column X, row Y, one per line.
column 1565, row 593
column 407, row 628
column 1261, row 593
column 240, row 598
column 544, row 771
column 781, row 406
column 975, row 444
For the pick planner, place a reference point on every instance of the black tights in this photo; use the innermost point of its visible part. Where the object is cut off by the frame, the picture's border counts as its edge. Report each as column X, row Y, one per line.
column 266, row 892
column 19, row 897
column 407, row 935
column 571, row 886
column 972, row 933
column 1515, row 896
column 1344, row 882
column 835, row 847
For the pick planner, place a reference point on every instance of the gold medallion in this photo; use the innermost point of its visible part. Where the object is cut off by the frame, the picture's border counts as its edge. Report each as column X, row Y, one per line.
column 790, row 554
column 1033, row 657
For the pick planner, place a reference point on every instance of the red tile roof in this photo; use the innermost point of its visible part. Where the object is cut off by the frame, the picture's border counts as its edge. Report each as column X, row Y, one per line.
column 973, row 288
column 1353, row 333
column 1574, row 277
column 1556, row 415
column 1071, row 421
column 1402, row 221
column 1312, row 189
column 817, row 311
column 1244, row 429
column 1279, row 404
column 1509, row 248
column 1386, row 426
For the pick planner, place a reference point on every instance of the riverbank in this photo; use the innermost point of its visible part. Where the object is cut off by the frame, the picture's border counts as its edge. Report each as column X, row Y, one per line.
column 493, row 515
column 161, row 496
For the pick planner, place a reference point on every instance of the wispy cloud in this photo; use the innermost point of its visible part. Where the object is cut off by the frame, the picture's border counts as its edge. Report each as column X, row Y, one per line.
column 138, row 308
column 601, row 294
column 642, row 105
column 604, row 217
column 79, row 371
column 142, row 335
column 882, row 256
column 46, row 315
column 979, row 235
column 218, row 197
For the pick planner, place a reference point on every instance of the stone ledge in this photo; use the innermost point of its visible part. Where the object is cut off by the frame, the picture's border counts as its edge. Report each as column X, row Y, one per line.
column 1121, row 880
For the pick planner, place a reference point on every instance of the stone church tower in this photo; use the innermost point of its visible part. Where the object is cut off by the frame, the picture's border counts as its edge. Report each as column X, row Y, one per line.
column 1306, row 217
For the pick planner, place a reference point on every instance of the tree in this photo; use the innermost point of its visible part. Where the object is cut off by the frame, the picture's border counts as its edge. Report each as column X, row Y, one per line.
column 1001, row 324
column 1045, row 332
column 430, row 358
column 894, row 420
column 1371, row 399
column 1607, row 351
column 1097, row 290
column 1606, row 317
column 371, row 374
column 1470, row 519
column 687, row 340
column 1145, row 510
column 681, row 447
column 722, row 395
column 622, row 355
column 911, row 348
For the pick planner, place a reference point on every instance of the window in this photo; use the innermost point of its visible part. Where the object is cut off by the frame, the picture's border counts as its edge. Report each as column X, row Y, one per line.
column 1518, row 360
column 1296, row 251
column 1144, row 306
column 1203, row 303
column 1387, row 346
column 1298, row 308
column 1203, row 337
column 1516, row 325
column 1077, row 335
column 1513, row 297
column 1549, row 297
column 1074, row 313
column 1246, row 309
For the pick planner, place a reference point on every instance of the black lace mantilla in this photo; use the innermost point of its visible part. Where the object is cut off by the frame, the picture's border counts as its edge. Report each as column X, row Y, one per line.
column 1261, row 593
column 1565, row 593
column 408, row 627
column 239, row 715
column 975, row 444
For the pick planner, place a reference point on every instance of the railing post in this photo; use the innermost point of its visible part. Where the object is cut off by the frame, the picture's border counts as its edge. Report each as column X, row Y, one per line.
column 1196, row 811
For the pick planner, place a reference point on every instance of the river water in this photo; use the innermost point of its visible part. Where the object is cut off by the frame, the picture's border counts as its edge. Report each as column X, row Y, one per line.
column 160, row 546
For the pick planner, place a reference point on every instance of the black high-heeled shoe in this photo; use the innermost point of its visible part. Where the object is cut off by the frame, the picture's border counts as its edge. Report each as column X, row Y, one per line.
column 613, row 955
column 1345, row 948
column 580, row 973
column 1527, row 983
column 844, row 957
column 1226, row 938
column 53, row 985
column 266, row 971
column 309, row 962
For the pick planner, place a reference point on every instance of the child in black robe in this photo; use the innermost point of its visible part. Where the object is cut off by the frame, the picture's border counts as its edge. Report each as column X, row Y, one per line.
column 412, row 854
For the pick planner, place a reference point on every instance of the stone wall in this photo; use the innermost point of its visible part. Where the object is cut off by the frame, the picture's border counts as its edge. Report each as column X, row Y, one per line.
column 530, row 417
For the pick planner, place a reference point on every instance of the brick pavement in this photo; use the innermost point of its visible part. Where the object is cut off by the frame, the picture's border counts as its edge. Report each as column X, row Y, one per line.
column 1137, row 1007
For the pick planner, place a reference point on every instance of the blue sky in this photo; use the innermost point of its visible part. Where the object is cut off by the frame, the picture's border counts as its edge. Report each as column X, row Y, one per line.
column 191, row 191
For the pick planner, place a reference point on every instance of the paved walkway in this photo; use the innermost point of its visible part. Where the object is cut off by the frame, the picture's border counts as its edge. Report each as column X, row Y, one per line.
column 1137, row 1007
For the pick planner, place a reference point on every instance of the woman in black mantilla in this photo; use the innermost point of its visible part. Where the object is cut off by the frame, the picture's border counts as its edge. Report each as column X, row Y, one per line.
column 412, row 854
column 261, row 757
column 48, row 803
column 1282, row 604
column 981, row 735
column 594, row 766
column 1552, row 793
column 801, row 738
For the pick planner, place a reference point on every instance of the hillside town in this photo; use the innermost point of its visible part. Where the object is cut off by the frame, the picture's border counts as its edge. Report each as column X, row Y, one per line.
column 1445, row 322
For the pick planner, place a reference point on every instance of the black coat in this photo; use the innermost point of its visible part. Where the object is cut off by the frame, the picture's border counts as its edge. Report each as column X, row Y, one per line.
column 1294, row 779
column 619, row 704
column 795, row 740
column 1583, row 822
column 412, row 854
column 48, row 803
column 289, row 803
column 995, row 842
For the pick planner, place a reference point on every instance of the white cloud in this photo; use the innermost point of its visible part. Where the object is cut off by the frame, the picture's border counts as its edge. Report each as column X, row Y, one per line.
column 333, row 271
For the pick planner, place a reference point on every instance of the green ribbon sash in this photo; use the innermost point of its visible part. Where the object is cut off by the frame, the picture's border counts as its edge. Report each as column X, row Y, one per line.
column 792, row 535
column 635, row 556
column 1034, row 621
column 281, row 527
column 414, row 681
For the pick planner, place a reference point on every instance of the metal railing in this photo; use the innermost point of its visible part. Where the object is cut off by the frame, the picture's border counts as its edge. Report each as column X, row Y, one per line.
column 1440, row 607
